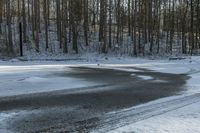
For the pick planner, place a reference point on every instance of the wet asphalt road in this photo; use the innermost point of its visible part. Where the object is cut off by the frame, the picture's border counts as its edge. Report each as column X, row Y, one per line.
column 73, row 111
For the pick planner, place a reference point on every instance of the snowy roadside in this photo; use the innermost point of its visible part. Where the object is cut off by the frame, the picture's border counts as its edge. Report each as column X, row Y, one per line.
column 182, row 120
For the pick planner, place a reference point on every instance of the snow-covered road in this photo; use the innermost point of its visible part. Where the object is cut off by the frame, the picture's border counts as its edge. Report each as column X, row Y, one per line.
column 101, row 97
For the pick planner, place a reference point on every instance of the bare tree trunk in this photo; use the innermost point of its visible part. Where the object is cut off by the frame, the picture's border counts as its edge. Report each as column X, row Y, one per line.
column 135, row 29
column 110, row 23
column 103, row 21
column 46, row 24
column 192, row 26
column 58, row 22
column 74, row 24
column 65, row 46
column 129, row 17
column 36, row 2
column 24, row 20
column 10, row 42
column 86, row 22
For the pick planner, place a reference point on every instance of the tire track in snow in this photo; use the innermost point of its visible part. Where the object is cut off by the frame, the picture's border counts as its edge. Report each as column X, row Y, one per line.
column 122, row 118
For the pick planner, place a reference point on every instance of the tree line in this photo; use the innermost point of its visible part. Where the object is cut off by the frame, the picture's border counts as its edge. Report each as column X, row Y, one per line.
column 140, row 26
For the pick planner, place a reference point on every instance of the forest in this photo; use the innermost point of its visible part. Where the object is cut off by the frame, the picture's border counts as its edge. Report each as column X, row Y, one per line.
column 132, row 27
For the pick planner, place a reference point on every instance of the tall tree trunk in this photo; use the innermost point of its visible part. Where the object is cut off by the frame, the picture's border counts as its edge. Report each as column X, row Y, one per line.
column 46, row 24
column 10, row 41
column 135, row 29
column 86, row 22
column 58, row 22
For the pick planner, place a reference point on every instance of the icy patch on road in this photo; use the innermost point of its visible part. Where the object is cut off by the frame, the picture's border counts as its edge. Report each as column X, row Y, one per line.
column 160, row 81
column 133, row 74
column 37, row 85
column 4, row 116
column 35, row 79
column 145, row 77
column 19, row 80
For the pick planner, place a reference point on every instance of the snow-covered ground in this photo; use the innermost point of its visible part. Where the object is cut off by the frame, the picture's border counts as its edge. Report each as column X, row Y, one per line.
column 36, row 77
column 183, row 120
